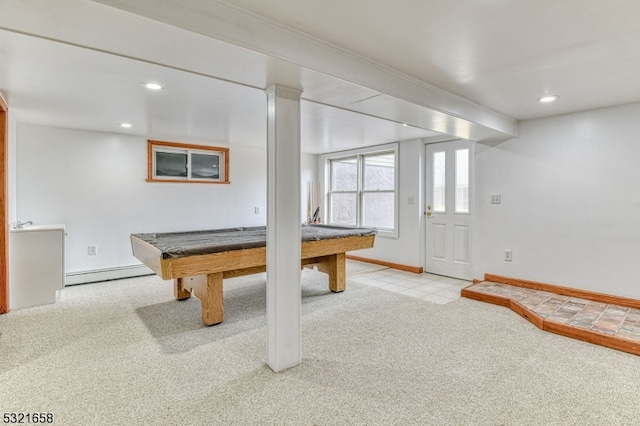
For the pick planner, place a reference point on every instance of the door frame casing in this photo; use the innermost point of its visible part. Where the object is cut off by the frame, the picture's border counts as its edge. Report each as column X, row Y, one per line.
column 4, row 196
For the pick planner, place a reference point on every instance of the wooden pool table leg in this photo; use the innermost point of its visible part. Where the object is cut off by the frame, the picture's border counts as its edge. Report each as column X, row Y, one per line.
column 338, row 273
column 334, row 265
column 210, row 294
column 207, row 288
column 179, row 292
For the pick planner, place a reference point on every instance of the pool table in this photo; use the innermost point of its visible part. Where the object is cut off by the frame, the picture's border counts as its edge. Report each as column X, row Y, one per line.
column 198, row 261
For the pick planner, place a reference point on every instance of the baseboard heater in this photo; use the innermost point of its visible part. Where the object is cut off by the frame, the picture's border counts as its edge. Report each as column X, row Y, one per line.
column 85, row 277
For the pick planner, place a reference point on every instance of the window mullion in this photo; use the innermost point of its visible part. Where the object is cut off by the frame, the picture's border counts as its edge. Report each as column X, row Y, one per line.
column 189, row 164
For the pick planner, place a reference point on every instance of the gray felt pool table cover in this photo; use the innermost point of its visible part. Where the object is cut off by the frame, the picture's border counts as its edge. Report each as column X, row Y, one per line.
column 181, row 244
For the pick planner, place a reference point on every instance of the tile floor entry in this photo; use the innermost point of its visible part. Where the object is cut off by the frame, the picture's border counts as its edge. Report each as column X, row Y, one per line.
column 429, row 287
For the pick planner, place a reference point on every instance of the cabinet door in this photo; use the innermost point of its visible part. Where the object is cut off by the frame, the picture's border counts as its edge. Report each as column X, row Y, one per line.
column 36, row 267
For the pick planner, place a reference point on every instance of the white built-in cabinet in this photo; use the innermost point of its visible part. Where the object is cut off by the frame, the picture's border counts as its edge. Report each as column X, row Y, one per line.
column 36, row 265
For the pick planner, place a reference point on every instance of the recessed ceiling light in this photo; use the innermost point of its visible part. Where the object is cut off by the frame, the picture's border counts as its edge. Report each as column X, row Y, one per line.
column 126, row 125
column 404, row 124
column 153, row 85
column 547, row 98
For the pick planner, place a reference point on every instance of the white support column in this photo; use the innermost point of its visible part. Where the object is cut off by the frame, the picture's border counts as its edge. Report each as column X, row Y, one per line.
column 284, row 316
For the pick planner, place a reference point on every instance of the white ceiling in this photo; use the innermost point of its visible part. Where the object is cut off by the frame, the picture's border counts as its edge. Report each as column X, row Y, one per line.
column 467, row 68
column 503, row 54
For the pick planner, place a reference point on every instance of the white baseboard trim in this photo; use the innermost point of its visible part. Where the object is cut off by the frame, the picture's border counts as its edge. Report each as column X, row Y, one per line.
column 84, row 277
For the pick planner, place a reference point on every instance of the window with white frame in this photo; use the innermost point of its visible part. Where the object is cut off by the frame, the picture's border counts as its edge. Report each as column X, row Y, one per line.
column 174, row 162
column 362, row 190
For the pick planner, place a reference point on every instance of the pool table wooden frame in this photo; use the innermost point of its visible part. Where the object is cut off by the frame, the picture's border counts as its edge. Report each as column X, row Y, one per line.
column 203, row 274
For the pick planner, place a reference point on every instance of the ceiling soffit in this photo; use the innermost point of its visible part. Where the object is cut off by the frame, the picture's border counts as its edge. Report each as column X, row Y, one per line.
column 229, row 23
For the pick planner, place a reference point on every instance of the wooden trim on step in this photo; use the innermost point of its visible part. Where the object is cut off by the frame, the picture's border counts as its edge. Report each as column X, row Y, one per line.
column 408, row 268
column 613, row 342
column 507, row 302
column 525, row 313
column 483, row 297
column 566, row 291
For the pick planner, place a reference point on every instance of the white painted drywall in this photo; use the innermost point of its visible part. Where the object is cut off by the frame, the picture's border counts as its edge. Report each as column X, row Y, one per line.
column 11, row 164
column 570, row 208
column 308, row 173
column 94, row 184
column 569, row 212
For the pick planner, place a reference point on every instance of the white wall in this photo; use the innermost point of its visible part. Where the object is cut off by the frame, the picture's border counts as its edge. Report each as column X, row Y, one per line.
column 309, row 173
column 570, row 202
column 94, row 183
column 11, row 172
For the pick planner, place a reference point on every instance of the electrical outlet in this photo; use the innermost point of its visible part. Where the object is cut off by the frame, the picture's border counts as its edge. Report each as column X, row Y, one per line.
column 410, row 199
column 256, row 210
column 496, row 198
column 92, row 250
column 508, row 257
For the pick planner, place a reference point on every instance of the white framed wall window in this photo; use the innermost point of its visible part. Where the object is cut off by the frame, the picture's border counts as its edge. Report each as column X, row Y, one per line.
column 362, row 188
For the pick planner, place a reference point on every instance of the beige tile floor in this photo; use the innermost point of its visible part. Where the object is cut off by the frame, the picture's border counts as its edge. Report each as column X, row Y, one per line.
column 429, row 287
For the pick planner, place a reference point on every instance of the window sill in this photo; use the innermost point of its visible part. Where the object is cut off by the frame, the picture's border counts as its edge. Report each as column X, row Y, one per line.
column 388, row 234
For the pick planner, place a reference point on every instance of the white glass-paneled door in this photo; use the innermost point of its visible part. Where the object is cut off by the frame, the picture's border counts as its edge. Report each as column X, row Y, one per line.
column 448, row 208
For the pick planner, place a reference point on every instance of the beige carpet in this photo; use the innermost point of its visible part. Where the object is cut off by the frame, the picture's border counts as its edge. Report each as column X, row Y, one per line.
column 125, row 353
